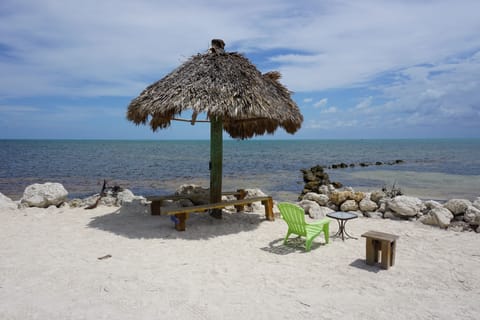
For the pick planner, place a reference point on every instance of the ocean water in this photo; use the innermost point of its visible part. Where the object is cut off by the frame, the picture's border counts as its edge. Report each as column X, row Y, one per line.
column 433, row 169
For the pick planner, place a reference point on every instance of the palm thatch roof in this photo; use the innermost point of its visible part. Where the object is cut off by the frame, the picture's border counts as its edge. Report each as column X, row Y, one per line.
column 222, row 85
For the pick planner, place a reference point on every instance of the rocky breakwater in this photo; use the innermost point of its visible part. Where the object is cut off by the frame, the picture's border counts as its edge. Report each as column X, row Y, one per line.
column 318, row 199
column 52, row 194
column 315, row 179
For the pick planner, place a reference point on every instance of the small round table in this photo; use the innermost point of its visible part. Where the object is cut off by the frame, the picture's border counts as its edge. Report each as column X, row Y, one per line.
column 342, row 218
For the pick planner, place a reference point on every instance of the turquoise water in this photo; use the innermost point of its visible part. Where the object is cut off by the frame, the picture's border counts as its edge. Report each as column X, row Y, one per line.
column 432, row 168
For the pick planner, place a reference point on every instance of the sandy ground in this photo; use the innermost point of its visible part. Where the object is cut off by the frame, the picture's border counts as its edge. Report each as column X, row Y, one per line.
column 234, row 268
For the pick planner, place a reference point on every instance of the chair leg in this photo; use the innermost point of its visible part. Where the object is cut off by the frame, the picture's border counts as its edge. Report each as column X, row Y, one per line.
column 308, row 244
column 286, row 237
column 326, row 232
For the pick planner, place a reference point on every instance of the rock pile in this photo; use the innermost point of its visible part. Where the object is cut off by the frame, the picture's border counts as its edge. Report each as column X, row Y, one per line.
column 316, row 178
column 455, row 214
column 54, row 194
column 318, row 198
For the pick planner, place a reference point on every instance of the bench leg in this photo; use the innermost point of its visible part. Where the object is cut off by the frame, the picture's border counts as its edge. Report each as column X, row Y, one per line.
column 155, row 208
column 386, row 254
column 268, row 204
column 182, row 217
column 239, row 207
column 371, row 251
column 377, row 247
column 241, row 194
column 393, row 245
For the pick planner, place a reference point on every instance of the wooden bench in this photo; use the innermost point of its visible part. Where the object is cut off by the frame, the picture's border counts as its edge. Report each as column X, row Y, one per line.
column 181, row 214
column 157, row 201
column 380, row 241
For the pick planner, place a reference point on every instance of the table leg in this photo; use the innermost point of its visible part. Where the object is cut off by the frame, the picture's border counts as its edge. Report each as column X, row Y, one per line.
column 342, row 232
column 339, row 231
column 342, row 229
column 345, row 231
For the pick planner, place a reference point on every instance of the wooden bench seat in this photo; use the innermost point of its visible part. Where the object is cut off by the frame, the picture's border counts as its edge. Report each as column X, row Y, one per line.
column 377, row 241
column 239, row 194
column 182, row 213
column 157, row 201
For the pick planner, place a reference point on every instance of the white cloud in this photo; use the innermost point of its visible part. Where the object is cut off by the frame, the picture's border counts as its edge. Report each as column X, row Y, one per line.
column 329, row 110
column 445, row 92
column 364, row 104
column 413, row 62
column 322, row 103
column 331, row 124
column 17, row 109
column 59, row 45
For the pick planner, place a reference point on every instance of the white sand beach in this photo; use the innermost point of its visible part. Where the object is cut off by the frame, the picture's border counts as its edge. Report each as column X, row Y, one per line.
column 234, row 268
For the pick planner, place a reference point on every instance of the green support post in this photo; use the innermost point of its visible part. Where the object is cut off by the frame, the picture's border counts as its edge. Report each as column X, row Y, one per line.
column 216, row 158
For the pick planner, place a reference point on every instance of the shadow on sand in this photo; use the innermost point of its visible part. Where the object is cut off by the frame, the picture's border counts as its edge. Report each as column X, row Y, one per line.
column 293, row 245
column 199, row 225
column 360, row 264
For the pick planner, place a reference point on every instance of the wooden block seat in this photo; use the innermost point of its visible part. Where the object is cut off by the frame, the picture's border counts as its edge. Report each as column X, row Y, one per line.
column 377, row 241
column 181, row 214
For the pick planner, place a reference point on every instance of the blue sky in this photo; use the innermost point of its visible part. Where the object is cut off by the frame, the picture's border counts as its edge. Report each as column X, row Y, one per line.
column 358, row 69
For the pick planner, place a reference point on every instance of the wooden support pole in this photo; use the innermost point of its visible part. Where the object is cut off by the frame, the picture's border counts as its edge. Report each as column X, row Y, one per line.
column 216, row 158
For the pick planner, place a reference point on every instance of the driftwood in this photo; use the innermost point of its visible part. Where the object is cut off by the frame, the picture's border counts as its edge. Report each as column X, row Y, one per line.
column 102, row 194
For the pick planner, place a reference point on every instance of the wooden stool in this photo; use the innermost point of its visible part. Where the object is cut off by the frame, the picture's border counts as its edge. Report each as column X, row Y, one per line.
column 379, row 241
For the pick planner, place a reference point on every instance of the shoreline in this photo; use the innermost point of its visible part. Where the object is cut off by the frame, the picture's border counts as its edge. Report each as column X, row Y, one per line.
column 441, row 193
column 158, row 167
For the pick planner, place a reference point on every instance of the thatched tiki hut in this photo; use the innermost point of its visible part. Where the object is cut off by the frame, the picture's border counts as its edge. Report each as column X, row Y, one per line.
column 229, row 92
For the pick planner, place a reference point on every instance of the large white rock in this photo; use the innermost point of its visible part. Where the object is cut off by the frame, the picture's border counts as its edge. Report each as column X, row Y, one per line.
column 125, row 196
column 438, row 216
column 321, row 199
column 382, row 205
column 374, row 215
column 323, row 212
column 457, row 206
column 7, row 203
column 137, row 206
column 476, row 203
column 391, row 215
column 253, row 193
column 367, row 205
column 195, row 193
column 349, row 205
column 311, row 208
column 324, row 190
column 431, row 204
column 44, row 195
column 377, row 195
column 405, row 206
column 472, row 216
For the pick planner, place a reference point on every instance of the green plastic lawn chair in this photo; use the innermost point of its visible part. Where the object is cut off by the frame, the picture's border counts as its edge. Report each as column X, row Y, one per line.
column 294, row 216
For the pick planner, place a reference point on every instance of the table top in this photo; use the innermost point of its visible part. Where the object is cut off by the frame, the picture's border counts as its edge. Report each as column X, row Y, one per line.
column 340, row 215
